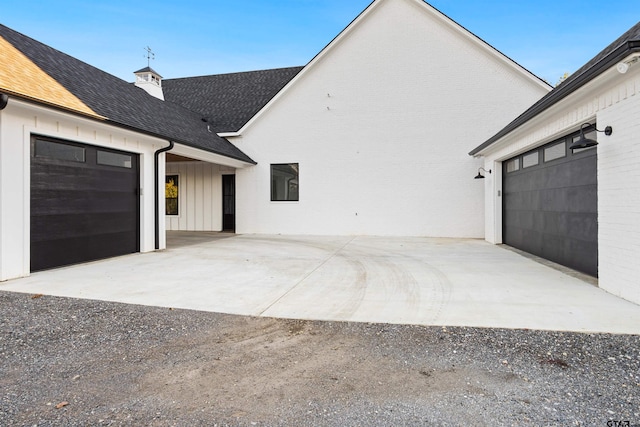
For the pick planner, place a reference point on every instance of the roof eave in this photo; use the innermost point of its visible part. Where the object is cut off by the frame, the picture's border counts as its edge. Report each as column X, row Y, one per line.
column 105, row 120
column 248, row 160
column 562, row 91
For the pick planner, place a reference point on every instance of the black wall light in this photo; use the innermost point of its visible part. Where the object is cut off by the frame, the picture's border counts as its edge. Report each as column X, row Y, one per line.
column 583, row 142
column 480, row 176
column 4, row 100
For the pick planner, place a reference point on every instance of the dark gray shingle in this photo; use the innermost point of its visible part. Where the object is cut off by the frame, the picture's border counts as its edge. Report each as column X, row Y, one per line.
column 228, row 101
column 122, row 103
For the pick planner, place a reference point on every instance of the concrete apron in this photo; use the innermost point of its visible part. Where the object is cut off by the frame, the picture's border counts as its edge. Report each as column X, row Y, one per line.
column 408, row 280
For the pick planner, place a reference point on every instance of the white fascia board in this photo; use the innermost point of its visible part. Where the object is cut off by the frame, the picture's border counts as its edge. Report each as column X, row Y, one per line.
column 206, row 156
column 229, row 134
column 479, row 42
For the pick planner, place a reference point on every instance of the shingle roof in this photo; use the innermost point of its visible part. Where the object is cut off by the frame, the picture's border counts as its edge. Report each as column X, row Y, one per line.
column 228, row 101
column 626, row 44
column 122, row 103
column 147, row 70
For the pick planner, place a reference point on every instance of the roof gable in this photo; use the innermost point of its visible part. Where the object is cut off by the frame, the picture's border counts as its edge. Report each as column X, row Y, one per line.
column 119, row 102
column 474, row 41
column 622, row 47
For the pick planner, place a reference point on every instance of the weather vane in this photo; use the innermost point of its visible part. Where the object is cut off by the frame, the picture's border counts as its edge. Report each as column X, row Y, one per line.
column 150, row 55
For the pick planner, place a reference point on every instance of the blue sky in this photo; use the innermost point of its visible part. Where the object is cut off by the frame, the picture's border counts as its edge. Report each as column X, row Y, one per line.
column 199, row 37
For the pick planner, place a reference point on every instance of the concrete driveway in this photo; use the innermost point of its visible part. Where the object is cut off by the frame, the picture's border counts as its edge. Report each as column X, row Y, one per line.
column 410, row 280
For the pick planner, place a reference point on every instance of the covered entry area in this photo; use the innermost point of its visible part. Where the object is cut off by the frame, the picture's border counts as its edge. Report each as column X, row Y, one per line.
column 550, row 204
column 85, row 203
column 200, row 191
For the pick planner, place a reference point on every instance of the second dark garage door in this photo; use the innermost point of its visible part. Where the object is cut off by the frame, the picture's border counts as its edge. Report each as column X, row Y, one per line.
column 550, row 205
column 84, row 203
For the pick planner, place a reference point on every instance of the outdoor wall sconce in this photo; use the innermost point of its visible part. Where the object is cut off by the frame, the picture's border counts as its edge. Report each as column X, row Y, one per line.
column 4, row 99
column 480, row 176
column 583, row 142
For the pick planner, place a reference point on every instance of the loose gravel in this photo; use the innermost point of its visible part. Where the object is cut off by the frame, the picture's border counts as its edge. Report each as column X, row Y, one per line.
column 71, row 362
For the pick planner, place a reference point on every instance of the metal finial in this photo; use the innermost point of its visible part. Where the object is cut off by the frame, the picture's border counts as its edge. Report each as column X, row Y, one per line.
column 150, row 55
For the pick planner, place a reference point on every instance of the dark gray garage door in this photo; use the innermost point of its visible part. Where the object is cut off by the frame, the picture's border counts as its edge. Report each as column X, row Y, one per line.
column 84, row 203
column 550, row 204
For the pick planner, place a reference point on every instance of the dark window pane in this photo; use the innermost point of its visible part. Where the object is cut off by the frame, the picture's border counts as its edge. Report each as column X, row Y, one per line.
column 531, row 159
column 284, row 182
column 554, row 152
column 114, row 159
column 171, row 195
column 513, row 165
column 56, row 150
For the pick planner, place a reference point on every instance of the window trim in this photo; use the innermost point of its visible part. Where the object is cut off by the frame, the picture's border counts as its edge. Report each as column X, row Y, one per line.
column 176, row 215
column 516, row 162
column 114, row 152
column 531, row 154
column 48, row 140
column 543, row 149
column 297, row 177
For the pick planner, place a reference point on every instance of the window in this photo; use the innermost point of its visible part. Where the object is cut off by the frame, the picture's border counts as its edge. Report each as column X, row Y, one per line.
column 171, row 195
column 556, row 151
column 114, row 159
column 530, row 159
column 513, row 165
column 59, row 151
column 284, row 182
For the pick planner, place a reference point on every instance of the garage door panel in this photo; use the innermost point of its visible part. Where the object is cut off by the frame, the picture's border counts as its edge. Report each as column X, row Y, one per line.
column 580, row 226
column 77, row 249
column 584, row 170
column 583, row 255
column 69, row 201
column 522, row 201
column 581, row 199
column 550, row 209
column 80, row 210
column 56, row 227
column 79, row 176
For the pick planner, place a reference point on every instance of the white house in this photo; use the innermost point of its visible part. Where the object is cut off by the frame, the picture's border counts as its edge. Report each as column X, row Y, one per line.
column 371, row 137
column 578, row 207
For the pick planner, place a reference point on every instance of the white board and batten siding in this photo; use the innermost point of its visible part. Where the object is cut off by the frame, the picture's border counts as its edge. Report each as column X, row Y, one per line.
column 199, row 196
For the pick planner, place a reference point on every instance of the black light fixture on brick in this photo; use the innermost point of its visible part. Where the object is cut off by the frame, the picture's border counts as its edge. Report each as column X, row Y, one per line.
column 584, row 142
column 480, row 176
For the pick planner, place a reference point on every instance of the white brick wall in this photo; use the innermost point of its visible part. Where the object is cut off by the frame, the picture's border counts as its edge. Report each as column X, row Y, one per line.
column 619, row 199
column 381, row 124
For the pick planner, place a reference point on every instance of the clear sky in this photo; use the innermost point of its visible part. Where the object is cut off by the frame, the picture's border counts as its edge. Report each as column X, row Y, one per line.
column 200, row 37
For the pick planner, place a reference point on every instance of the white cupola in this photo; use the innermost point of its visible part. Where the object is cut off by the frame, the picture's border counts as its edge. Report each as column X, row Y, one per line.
column 150, row 81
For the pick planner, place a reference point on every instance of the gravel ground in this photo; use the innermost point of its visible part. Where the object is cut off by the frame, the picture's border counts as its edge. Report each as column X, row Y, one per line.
column 70, row 362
